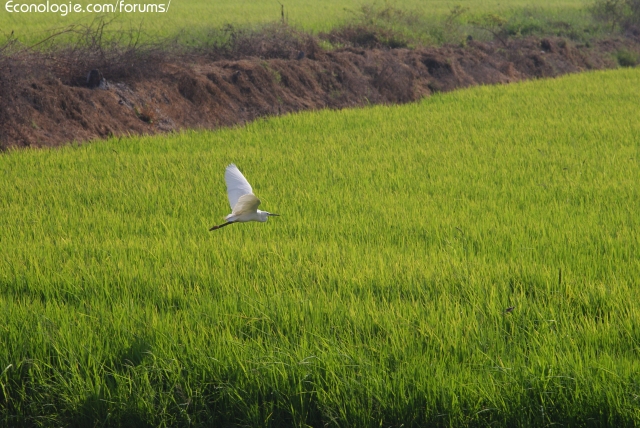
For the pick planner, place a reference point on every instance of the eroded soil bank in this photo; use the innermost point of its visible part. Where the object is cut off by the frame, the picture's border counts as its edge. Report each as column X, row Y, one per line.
column 210, row 94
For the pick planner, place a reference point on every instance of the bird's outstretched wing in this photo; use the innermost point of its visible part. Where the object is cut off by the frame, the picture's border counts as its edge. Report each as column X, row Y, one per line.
column 237, row 185
column 246, row 204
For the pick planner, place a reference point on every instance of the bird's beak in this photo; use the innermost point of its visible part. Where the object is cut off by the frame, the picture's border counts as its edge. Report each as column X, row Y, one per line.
column 272, row 214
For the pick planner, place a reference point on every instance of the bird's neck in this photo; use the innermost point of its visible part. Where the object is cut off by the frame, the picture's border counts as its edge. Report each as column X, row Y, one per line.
column 263, row 215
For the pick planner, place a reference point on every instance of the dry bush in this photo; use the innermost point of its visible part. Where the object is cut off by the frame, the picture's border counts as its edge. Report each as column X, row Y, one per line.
column 119, row 55
column 70, row 53
column 271, row 41
column 366, row 37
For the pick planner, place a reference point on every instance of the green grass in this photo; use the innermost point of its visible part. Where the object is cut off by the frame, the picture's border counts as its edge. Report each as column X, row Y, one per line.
column 376, row 299
column 195, row 18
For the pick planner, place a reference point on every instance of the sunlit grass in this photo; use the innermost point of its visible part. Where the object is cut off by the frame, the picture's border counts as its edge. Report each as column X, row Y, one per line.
column 196, row 17
column 377, row 298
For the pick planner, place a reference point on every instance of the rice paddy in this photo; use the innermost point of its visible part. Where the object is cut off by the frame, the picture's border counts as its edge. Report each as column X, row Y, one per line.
column 378, row 298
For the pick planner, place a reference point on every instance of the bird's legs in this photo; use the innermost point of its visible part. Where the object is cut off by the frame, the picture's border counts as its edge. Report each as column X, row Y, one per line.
column 222, row 225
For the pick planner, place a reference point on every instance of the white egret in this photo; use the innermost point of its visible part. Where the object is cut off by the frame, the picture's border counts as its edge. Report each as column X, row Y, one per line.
column 244, row 204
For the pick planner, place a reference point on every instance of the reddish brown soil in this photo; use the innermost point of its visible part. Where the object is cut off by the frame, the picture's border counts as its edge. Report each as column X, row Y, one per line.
column 211, row 94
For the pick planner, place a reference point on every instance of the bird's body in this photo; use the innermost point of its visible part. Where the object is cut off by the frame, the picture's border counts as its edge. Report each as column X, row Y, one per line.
column 244, row 204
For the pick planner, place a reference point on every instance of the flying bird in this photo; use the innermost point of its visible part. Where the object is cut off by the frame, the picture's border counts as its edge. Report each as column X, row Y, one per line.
column 244, row 204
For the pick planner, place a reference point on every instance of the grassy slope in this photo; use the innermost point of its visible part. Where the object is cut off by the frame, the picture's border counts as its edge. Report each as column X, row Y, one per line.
column 199, row 15
column 377, row 297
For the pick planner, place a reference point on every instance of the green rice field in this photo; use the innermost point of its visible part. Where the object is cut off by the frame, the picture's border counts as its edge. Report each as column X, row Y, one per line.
column 197, row 17
column 378, row 298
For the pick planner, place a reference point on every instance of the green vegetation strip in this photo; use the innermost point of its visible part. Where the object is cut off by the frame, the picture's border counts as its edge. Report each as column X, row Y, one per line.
column 377, row 299
column 194, row 18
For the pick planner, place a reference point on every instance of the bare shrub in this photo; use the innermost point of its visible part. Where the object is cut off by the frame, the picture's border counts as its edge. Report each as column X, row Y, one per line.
column 277, row 40
column 365, row 36
column 119, row 55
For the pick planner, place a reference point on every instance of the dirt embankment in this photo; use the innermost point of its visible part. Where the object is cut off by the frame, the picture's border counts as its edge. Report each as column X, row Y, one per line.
column 211, row 94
